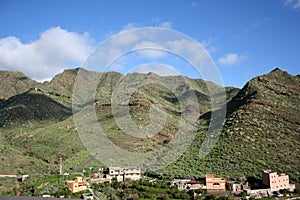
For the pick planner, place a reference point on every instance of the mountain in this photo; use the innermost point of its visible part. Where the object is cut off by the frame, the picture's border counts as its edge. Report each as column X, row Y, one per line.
column 25, row 100
column 264, row 117
column 37, row 128
column 31, row 106
column 13, row 83
column 261, row 129
column 59, row 90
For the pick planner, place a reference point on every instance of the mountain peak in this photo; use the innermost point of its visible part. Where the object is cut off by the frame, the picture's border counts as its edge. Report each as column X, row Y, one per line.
column 13, row 83
column 277, row 70
column 274, row 85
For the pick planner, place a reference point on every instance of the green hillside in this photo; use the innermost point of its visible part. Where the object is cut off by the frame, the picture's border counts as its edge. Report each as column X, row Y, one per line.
column 37, row 127
column 261, row 130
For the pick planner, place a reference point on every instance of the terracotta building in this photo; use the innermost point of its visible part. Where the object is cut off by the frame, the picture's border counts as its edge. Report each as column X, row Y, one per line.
column 275, row 181
column 213, row 183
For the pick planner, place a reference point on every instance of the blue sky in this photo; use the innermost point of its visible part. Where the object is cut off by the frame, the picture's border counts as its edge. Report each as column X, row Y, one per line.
column 244, row 38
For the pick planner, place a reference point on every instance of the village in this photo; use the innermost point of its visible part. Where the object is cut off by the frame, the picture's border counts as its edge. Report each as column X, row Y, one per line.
column 88, row 184
column 271, row 184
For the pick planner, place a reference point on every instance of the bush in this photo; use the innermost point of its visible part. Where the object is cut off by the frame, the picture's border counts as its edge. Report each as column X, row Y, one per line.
column 210, row 197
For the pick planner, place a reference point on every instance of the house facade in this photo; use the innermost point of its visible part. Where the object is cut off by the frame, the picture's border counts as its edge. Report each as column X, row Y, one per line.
column 115, row 172
column 187, row 184
column 122, row 174
column 179, row 184
column 213, row 183
column 275, row 181
column 77, row 184
column 133, row 174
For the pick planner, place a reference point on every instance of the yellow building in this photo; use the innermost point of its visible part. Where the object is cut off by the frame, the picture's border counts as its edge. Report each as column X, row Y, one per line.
column 77, row 184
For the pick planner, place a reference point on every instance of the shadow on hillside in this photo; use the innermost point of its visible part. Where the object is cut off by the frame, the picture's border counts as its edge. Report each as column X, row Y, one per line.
column 31, row 106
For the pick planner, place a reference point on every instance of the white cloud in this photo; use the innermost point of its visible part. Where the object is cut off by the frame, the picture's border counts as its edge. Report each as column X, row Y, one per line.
column 231, row 59
column 151, row 44
column 156, row 22
column 129, row 26
column 131, row 37
column 294, row 4
column 167, row 24
column 43, row 58
column 181, row 45
column 206, row 44
column 151, row 50
column 189, row 50
column 124, row 39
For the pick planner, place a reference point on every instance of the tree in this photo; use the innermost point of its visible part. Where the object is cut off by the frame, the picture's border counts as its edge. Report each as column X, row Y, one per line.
column 210, row 197
column 114, row 183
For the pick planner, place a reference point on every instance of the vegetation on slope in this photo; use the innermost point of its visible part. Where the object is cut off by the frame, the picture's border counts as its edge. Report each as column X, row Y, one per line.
column 31, row 106
column 261, row 129
column 261, row 132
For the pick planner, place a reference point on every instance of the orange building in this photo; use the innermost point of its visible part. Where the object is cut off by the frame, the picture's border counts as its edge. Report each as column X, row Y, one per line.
column 213, row 183
column 274, row 181
column 77, row 184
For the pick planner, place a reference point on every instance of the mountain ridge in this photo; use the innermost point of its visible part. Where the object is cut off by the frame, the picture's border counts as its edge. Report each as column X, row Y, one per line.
column 261, row 129
column 60, row 88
